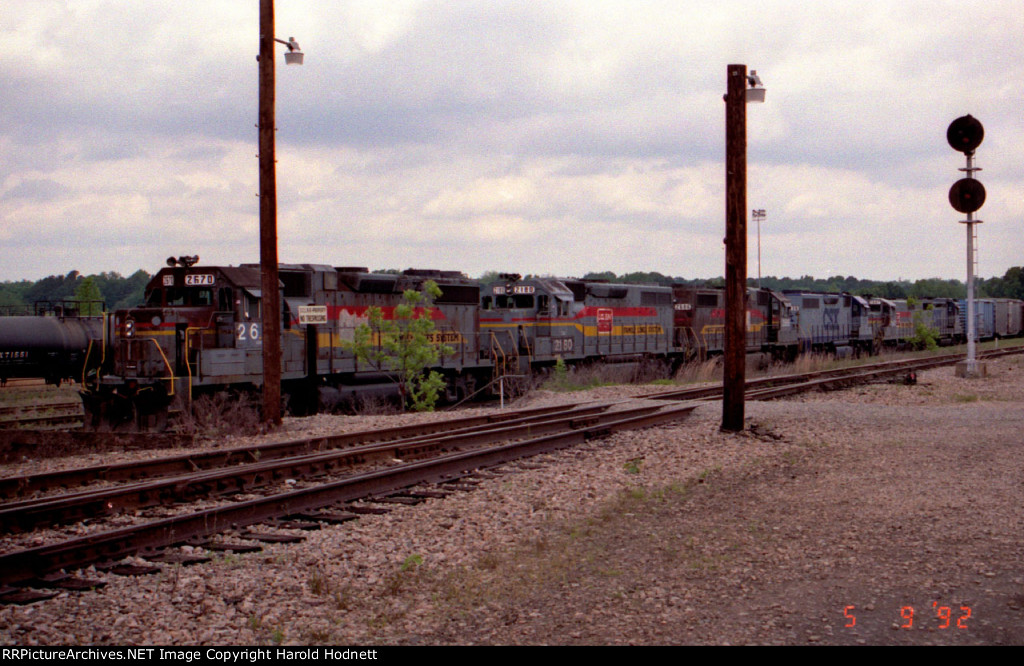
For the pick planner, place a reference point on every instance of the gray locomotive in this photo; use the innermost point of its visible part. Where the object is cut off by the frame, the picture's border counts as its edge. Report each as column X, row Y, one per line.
column 200, row 331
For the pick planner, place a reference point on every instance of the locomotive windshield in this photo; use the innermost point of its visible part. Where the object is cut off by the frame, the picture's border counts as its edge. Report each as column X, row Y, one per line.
column 174, row 296
column 513, row 301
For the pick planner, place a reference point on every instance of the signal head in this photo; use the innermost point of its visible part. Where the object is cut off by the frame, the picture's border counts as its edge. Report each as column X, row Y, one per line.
column 965, row 134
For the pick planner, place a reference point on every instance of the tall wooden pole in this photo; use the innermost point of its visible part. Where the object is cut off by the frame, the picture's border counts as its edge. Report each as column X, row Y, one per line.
column 735, row 248
column 271, row 301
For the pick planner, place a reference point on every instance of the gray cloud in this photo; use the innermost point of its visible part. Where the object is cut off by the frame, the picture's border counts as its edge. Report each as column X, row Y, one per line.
column 520, row 135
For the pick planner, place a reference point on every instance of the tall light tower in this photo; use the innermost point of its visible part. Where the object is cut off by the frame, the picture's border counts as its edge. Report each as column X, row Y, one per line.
column 759, row 214
column 271, row 299
column 734, row 380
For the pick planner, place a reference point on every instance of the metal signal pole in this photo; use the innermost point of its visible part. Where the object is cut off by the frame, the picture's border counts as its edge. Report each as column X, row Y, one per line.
column 967, row 195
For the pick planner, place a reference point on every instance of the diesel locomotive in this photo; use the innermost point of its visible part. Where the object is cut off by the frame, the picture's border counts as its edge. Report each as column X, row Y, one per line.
column 200, row 331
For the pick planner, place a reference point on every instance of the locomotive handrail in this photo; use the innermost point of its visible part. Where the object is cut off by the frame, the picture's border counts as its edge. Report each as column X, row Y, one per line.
column 496, row 344
column 167, row 364
column 188, row 348
column 188, row 332
column 485, row 387
column 85, row 363
column 701, row 342
column 103, row 354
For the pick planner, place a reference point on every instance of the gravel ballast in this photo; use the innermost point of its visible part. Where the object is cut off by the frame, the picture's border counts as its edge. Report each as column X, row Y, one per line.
column 881, row 514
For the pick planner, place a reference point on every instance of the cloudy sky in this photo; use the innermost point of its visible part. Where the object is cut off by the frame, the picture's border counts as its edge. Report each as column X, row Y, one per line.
column 551, row 137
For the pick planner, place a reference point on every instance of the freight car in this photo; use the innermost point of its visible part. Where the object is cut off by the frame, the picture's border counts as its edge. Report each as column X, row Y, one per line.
column 51, row 341
column 1008, row 320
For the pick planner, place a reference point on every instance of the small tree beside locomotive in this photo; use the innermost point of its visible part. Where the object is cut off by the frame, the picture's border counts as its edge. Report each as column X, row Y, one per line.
column 404, row 346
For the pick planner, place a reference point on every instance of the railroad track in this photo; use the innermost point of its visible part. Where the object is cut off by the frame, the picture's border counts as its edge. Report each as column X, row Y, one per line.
column 406, row 465
column 26, row 515
column 768, row 388
column 61, row 414
column 21, row 486
column 298, row 506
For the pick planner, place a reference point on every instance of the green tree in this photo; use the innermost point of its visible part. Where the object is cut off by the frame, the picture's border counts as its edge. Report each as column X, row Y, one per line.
column 405, row 346
column 925, row 336
column 89, row 297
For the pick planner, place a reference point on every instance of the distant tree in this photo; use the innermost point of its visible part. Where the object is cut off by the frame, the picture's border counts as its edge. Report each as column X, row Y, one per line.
column 937, row 288
column 12, row 294
column 489, row 277
column 133, row 291
column 607, row 276
column 1011, row 285
column 646, row 278
column 90, row 299
column 54, row 288
column 891, row 290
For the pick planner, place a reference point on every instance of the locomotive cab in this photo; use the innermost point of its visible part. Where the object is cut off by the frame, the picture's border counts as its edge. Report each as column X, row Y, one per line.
column 199, row 325
column 700, row 321
column 526, row 321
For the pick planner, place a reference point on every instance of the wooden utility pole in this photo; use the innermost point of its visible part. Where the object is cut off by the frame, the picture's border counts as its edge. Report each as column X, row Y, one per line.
column 734, row 382
column 271, row 300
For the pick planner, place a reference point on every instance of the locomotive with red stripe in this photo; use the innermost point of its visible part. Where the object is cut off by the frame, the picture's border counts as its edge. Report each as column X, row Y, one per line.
column 200, row 331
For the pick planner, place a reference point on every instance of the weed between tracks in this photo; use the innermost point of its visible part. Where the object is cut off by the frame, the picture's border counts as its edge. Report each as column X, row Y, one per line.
column 221, row 414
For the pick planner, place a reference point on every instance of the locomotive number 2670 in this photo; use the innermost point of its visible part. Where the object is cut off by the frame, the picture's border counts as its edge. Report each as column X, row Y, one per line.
column 248, row 331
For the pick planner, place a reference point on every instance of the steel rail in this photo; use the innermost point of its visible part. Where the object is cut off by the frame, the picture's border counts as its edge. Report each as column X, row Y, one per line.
column 30, row 514
column 866, row 373
column 16, row 486
column 877, row 369
column 20, row 567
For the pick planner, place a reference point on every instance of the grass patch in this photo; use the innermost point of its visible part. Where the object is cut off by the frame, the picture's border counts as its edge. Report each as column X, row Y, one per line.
column 564, row 378
column 594, row 555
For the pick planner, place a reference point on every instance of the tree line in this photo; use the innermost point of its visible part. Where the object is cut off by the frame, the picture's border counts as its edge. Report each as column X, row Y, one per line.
column 116, row 291
column 1011, row 285
column 112, row 289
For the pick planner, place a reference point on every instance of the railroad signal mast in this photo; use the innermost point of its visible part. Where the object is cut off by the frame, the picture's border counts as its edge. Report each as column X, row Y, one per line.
column 967, row 195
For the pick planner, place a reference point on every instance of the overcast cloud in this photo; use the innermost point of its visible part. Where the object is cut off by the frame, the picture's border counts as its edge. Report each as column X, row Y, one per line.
column 537, row 137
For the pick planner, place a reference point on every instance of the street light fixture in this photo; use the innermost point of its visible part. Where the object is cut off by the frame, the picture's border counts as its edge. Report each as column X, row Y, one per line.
column 269, row 280
column 294, row 55
column 755, row 93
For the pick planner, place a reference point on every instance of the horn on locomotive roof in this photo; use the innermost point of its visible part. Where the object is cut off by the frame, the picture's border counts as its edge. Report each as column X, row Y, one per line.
column 183, row 260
